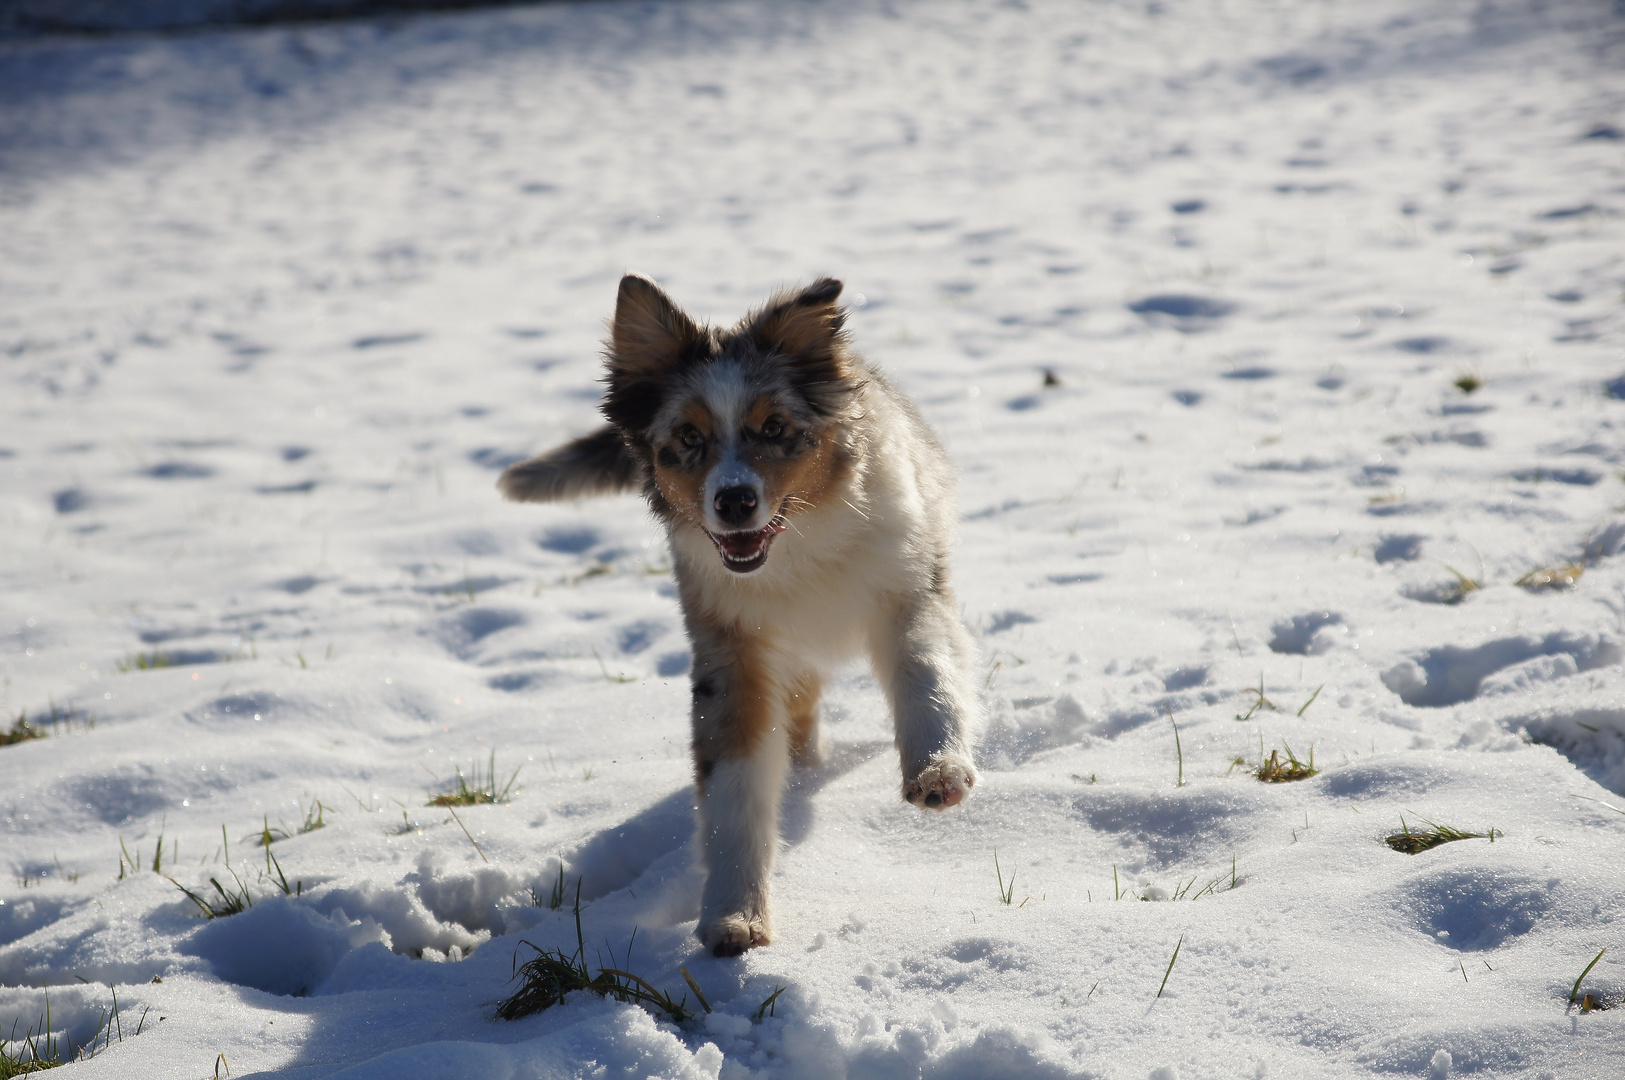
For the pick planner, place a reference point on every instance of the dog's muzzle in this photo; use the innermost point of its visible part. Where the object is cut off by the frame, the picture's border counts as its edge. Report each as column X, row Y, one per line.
column 745, row 549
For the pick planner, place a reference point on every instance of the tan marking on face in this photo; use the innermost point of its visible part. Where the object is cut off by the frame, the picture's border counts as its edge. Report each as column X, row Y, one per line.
column 699, row 416
column 804, row 481
column 684, row 488
column 760, row 410
column 684, row 492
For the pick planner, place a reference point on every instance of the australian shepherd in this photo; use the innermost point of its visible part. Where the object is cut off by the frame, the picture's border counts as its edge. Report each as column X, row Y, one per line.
column 811, row 515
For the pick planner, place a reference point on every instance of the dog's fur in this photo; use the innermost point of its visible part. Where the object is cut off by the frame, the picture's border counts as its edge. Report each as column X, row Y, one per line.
column 773, row 439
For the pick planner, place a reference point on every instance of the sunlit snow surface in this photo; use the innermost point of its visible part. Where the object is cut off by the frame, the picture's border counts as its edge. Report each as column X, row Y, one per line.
column 277, row 304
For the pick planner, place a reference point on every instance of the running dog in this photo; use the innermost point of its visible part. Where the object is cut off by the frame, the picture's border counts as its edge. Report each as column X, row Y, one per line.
column 811, row 514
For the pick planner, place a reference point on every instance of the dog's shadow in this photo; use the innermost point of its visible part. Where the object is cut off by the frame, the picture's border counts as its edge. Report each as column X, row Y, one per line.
column 797, row 813
column 615, row 857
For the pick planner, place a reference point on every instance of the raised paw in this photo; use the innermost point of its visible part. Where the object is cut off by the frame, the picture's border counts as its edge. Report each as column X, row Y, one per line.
column 944, row 783
column 731, row 935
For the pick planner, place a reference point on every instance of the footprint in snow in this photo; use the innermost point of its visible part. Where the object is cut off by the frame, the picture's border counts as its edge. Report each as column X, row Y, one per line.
column 1452, row 674
column 1310, row 634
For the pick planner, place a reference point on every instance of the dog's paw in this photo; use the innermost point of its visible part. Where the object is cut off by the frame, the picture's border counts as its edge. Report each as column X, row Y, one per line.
column 730, row 935
column 945, row 782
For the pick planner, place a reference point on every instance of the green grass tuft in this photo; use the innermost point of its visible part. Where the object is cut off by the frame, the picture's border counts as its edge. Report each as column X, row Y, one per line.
column 1415, row 841
column 1275, row 771
column 477, row 789
column 143, row 661
column 39, row 1049
column 21, row 731
column 35, row 1052
column 59, row 722
column 553, row 975
column 231, row 901
column 315, row 818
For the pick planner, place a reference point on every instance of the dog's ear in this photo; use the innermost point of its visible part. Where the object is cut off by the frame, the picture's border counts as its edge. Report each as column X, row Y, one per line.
column 804, row 325
column 648, row 337
column 807, row 328
column 648, row 333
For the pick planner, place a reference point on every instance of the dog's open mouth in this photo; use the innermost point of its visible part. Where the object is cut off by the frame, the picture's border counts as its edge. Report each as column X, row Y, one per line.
column 743, row 552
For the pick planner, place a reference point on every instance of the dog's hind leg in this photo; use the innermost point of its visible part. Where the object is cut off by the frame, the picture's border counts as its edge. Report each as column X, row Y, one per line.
column 807, row 742
column 923, row 657
column 741, row 756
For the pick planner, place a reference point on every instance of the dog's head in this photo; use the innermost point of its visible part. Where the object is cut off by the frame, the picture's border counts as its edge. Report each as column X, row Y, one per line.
column 737, row 429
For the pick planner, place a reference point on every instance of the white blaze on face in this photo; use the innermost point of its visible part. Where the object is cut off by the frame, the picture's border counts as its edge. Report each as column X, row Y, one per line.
column 728, row 399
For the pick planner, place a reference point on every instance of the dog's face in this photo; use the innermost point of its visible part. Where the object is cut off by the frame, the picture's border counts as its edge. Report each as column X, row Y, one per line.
column 737, row 429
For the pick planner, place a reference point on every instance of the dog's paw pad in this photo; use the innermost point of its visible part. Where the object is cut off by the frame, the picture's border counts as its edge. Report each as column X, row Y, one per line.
column 731, row 935
column 941, row 784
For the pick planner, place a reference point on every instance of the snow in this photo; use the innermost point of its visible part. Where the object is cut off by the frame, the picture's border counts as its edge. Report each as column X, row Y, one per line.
column 277, row 304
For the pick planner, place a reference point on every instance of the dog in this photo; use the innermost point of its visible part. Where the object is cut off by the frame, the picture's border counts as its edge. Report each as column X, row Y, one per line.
column 810, row 512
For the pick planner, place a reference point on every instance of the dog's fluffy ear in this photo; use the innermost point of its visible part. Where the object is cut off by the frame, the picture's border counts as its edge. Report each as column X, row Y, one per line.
column 648, row 337
column 807, row 327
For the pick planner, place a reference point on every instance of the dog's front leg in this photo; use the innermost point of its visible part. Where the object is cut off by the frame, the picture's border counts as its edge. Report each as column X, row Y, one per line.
column 923, row 657
column 741, row 754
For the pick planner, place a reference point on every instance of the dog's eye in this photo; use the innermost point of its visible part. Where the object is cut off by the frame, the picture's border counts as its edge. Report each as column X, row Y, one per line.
column 773, row 429
column 692, row 438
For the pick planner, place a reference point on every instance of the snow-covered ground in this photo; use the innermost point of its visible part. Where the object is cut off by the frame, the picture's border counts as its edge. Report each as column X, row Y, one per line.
column 276, row 305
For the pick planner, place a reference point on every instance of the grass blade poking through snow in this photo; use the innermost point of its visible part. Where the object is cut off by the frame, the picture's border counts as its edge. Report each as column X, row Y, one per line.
column 555, row 895
column 1170, row 970
column 314, row 819
column 1610, row 806
column 453, row 812
column 1006, row 892
column 1179, row 751
column 1262, row 702
column 1576, row 991
column 769, row 1007
column 694, row 986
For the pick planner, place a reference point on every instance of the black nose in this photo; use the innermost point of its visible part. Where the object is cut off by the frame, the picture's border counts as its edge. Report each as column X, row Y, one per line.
column 735, row 505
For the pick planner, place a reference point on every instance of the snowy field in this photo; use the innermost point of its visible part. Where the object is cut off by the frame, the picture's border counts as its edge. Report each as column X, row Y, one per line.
column 1332, row 297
